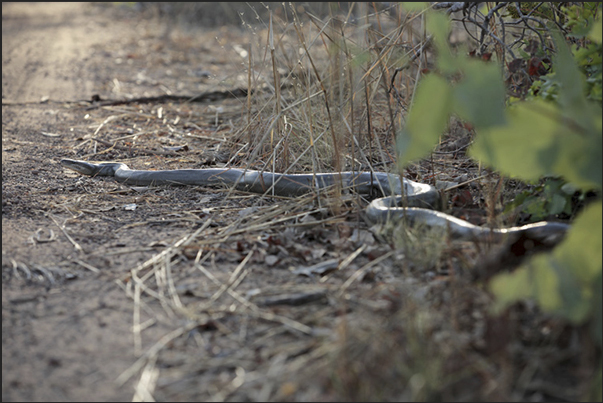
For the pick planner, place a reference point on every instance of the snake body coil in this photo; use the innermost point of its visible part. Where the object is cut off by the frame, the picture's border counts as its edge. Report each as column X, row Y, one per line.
column 420, row 199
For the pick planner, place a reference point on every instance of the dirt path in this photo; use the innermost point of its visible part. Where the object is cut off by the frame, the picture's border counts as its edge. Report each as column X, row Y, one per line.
column 66, row 332
column 69, row 243
column 45, row 49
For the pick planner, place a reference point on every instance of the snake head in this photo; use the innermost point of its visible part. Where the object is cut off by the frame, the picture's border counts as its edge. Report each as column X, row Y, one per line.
column 90, row 169
column 81, row 167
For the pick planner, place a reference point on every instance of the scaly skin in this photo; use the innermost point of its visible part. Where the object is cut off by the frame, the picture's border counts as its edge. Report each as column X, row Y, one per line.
column 421, row 200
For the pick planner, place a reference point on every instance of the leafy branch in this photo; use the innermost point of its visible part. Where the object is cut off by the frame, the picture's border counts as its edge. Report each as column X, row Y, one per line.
column 556, row 136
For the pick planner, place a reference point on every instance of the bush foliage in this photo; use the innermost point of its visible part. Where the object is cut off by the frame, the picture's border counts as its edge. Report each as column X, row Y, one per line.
column 554, row 132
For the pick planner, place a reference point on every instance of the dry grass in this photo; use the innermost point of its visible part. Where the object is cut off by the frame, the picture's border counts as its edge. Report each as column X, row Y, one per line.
column 400, row 319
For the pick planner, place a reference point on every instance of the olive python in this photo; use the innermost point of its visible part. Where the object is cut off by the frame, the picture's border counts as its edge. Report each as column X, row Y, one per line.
column 420, row 201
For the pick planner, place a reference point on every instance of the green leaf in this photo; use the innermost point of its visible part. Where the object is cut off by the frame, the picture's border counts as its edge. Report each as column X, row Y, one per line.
column 509, row 288
column 523, row 54
column 480, row 97
column 522, row 147
column 572, row 98
column 569, row 189
column 538, row 140
column 575, row 298
column 557, row 204
column 597, row 304
column 426, row 121
column 582, row 247
column 526, row 283
column 580, row 156
column 568, row 207
column 415, row 6
column 439, row 26
column 565, row 282
column 577, row 263
column 595, row 33
column 536, row 209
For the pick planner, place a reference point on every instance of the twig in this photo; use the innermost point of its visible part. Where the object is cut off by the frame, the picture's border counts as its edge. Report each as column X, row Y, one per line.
column 231, row 282
column 153, row 351
column 206, row 96
column 415, row 56
column 87, row 266
column 254, row 310
column 358, row 273
column 62, row 228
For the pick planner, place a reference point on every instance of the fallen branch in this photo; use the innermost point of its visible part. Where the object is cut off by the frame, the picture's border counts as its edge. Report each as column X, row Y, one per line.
column 204, row 97
column 98, row 102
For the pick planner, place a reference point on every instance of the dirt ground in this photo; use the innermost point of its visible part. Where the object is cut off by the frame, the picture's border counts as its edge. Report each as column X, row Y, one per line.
column 64, row 336
column 111, row 293
column 67, row 330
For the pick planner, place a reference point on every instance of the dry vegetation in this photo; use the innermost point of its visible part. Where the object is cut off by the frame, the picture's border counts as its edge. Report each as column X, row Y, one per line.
column 299, row 299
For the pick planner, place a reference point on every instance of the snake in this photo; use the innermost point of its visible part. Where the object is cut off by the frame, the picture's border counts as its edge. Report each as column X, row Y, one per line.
column 405, row 200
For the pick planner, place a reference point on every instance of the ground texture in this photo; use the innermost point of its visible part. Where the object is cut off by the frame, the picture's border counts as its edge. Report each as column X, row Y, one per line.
column 110, row 293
